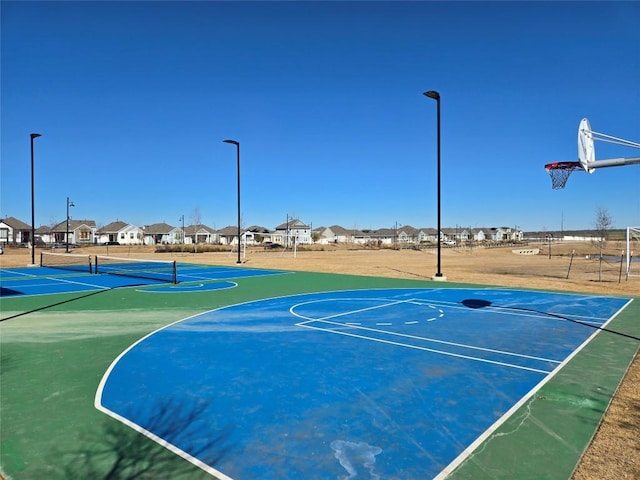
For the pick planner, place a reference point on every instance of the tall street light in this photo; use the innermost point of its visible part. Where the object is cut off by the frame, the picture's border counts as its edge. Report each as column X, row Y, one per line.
column 33, row 207
column 237, row 144
column 69, row 204
column 436, row 96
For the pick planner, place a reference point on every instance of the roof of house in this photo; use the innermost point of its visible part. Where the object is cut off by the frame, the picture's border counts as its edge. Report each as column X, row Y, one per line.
column 158, row 229
column 73, row 225
column 193, row 229
column 113, row 227
column 229, row 231
column 16, row 224
column 338, row 230
column 293, row 223
column 258, row 229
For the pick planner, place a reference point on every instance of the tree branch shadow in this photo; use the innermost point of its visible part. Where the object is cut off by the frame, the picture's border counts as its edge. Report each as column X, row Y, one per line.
column 118, row 452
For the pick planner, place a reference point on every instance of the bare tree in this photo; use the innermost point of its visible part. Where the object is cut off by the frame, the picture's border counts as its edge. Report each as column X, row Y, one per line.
column 196, row 220
column 602, row 225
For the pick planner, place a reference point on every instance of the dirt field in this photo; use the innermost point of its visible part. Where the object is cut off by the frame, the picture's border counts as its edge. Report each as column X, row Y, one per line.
column 615, row 450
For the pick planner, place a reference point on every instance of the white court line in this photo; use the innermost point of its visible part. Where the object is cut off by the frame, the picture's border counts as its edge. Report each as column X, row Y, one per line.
column 73, row 282
column 414, row 337
column 425, row 349
column 429, row 339
column 351, row 312
column 54, row 280
column 20, row 273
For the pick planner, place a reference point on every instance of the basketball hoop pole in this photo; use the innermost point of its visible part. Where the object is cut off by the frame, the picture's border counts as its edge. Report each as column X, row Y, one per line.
column 436, row 96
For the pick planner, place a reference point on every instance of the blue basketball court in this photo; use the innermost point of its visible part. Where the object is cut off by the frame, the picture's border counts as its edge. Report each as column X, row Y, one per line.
column 370, row 383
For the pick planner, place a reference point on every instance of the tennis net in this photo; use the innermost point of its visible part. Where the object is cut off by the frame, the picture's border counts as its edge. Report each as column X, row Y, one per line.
column 66, row 261
column 161, row 270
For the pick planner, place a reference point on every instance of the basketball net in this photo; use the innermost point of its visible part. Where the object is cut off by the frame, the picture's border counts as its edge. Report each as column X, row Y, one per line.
column 560, row 173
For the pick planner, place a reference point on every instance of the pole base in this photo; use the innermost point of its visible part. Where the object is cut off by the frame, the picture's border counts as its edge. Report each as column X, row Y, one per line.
column 439, row 278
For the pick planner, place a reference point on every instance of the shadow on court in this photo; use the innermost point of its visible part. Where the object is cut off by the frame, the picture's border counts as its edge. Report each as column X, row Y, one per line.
column 476, row 303
column 116, row 451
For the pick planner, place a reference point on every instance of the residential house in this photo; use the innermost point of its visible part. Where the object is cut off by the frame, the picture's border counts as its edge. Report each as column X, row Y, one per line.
column 121, row 232
column 200, row 234
column 427, row 235
column 386, row 236
column 14, row 232
column 333, row 235
column 162, row 234
column 505, row 234
column 256, row 235
column 363, row 237
column 81, row 232
column 407, row 234
column 229, row 235
column 479, row 234
column 293, row 231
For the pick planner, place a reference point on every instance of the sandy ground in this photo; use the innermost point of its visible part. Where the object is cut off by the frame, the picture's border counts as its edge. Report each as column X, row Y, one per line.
column 615, row 451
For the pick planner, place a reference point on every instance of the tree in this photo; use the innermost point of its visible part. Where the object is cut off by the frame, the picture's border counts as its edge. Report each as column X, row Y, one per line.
column 603, row 224
column 196, row 220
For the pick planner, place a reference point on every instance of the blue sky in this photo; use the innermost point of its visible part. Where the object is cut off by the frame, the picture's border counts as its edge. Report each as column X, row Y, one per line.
column 133, row 100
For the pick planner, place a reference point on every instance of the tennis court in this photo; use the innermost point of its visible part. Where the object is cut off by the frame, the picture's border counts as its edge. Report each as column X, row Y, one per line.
column 303, row 375
column 112, row 272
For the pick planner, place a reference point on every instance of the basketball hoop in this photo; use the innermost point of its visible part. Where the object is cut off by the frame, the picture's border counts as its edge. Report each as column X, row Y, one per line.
column 560, row 172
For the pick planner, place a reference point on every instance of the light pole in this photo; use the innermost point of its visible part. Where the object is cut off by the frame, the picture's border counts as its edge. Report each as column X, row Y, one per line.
column 69, row 204
column 237, row 144
column 33, row 207
column 436, row 96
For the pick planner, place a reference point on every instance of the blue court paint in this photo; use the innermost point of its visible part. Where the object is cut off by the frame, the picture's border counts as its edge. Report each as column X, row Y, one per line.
column 193, row 272
column 47, row 285
column 48, row 280
column 354, row 384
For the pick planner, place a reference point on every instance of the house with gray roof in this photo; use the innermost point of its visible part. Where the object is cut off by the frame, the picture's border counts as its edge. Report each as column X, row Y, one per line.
column 197, row 234
column 229, row 235
column 122, row 232
column 333, row 235
column 293, row 231
column 81, row 232
column 162, row 234
column 14, row 232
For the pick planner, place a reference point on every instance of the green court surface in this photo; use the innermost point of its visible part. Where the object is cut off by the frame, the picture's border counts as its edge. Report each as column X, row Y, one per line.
column 54, row 358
